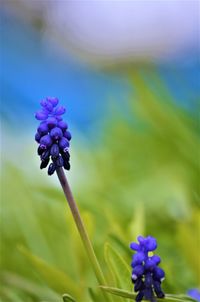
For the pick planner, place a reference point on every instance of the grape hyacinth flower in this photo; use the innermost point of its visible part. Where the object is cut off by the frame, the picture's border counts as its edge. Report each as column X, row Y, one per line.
column 146, row 275
column 52, row 136
column 194, row 293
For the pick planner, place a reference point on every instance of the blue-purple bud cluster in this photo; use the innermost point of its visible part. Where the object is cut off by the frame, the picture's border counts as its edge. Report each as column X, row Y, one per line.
column 194, row 293
column 146, row 275
column 52, row 136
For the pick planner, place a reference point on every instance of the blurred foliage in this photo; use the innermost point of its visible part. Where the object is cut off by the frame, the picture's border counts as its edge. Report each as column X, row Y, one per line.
column 142, row 178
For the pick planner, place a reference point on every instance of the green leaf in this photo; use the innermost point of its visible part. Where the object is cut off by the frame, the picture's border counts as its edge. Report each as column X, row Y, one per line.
column 119, row 268
column 56, row 278
column 94, row 295
column 130, row 295
column 68, row 298
column 119, row 292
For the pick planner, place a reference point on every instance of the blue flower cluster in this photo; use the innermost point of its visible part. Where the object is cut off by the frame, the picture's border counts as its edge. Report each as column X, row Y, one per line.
column 52, row 136
column 194, row 293
column 146, row 275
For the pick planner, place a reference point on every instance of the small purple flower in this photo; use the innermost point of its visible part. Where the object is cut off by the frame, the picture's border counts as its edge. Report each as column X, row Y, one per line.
column 52, row 136
column 194, row 293
column 146, row 275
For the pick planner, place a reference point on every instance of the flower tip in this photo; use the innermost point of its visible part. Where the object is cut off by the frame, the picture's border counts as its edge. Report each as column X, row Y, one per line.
column 60, row 110
column 54, row 101
column 41, row 115
column 134, row 246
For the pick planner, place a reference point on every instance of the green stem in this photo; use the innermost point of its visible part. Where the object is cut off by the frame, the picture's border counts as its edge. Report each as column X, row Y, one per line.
column 81, row 228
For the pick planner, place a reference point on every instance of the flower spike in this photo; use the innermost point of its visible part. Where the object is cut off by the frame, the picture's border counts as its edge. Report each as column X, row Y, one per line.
column 146, row 275
column 52, row 136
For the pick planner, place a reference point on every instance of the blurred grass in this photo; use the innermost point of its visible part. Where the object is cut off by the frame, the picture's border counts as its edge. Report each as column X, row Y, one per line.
column 142, row 178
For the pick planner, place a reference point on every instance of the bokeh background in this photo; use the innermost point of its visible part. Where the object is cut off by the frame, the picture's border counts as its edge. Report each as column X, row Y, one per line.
column 128, row 74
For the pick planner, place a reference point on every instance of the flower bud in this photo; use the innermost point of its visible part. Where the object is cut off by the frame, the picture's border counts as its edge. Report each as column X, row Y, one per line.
column 139, row 296
column 66, row 165
column 51, row 122
column 138, row 285
column 59, row 161
column 149, row 264
column 63, row 143
column 158, row 274
column 46, row 140
column 54, row 151
column 59, row 110
column 134, row 246
column 158, row 290
column 43, row 128
column 62, row 125
column 53, row 101
column 45, row 155
column 56, row 133
column 37, row 137
column 67, row 135
column 44, row 163
column 41, row 115
column 65, row 155
column 52, row 168
column 138, row 259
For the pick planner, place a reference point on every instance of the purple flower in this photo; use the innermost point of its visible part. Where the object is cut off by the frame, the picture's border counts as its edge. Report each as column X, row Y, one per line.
column 52, row 136
column 146, row 275
column 194, row 293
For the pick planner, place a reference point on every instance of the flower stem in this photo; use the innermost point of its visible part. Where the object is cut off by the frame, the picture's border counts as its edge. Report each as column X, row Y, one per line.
column 81, row 228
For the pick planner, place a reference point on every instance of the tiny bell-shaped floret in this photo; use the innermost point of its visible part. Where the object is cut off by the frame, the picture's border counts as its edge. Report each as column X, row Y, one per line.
column 59, row 162
column 46, row 141
column 138, row 259
column 67, row 135
column 56, row 133
column 47, row 105
column 149, row 264
column 139, row 296
column 53, row 101
column 44, row 163
column 65, row 155
column 158, row 274
column 59, row 110
column 66, row 165
column 139, row 284
column 156, row 259
column 137, row 271
column 51, row 122
column 62, row 125
column 43, row 128
column 37, row 137
column 52, row 168
column 54, row 151
column 134, row 246
column 63, row 143
column 45, row 155
column 150, row 243
column 41, row 115
column 158, row 290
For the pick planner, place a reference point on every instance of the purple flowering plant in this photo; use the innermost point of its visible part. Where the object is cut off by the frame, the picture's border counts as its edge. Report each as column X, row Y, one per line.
column 53, row 138
column 146, row 274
